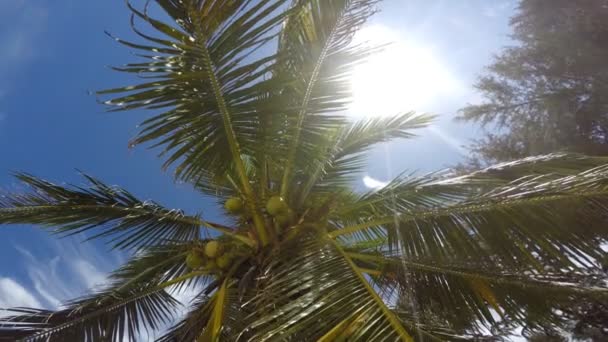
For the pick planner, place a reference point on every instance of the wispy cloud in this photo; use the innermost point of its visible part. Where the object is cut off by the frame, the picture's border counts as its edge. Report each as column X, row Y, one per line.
column 13, row 294
column 71, row 270
column 373, row 183
column 23, row 23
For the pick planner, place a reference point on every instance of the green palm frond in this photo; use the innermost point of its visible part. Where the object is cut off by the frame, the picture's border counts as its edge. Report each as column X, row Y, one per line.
column 127, row 315
column 554, row 221
column 204, row 80
column 129, row 222
column 209, row 86
column 309, row 290
column 556, row 164
column 345, row 154
column 478, row 293
column 195, row 322
column 132, row 304
column 190, row 327
column 315, row 49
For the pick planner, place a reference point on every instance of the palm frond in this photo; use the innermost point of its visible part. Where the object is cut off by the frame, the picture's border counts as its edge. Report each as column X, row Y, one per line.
column 315, row 49
column 132, row 304
column 195, row 322
column 479, row 294
column 129, row 222
column 189, row 328
column 345, row 154
column 307, row 291
column 208, row 83
column 543, row 220
column 556, row 164
column 124, row 316
column 204, row 78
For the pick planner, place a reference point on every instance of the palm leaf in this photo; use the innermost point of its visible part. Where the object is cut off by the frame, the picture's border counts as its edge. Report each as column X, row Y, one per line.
column 345, row 154
column 71, row 210
column 315, row 48
column 208, row 86
column 133, row 303
column 477, row 294
column 124, row 316
column 306, row 292
column 521, row 224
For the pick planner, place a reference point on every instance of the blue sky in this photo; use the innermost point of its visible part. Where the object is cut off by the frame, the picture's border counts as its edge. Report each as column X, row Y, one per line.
column 54, row 52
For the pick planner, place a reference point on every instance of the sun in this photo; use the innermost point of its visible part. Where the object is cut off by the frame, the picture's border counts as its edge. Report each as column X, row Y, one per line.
column 403, row 76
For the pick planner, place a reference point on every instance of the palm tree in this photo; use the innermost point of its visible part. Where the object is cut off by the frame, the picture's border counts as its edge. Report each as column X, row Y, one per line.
column 250, row 97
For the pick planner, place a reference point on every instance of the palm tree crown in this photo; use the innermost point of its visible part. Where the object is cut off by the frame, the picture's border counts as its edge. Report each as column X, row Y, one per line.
column 249, row 99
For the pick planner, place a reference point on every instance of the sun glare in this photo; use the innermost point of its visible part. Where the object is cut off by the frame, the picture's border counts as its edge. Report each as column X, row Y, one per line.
column 404, row 76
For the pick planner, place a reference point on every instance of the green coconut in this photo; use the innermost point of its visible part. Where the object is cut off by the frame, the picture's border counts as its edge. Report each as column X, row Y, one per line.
column 211, row 264
column 224, row 261
column 284, row 219
column 276, row 206
column 194, row 260
column 213, row 249
column 234, row 205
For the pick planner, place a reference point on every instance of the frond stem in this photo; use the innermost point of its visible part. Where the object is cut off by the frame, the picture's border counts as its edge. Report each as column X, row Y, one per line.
column 232, row 141
column 385, row 310
column 304, row 107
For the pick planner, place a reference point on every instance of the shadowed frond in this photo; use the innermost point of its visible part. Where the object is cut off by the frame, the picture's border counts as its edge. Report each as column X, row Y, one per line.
column 477, row 294
column 556, row 164
column 308, row 291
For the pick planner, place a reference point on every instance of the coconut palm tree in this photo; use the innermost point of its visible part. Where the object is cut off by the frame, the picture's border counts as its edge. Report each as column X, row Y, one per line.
column 249, row 99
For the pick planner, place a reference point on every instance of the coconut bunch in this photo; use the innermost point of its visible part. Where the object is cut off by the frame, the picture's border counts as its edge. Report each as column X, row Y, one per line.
column 276, row 208
column 215, row 256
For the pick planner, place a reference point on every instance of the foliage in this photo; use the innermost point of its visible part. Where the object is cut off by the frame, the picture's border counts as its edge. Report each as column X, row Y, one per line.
column 547, row 92
column 249, row 99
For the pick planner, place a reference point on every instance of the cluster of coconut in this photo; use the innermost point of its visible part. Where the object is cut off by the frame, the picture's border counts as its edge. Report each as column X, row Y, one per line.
column 213, row 256
column 278, row 209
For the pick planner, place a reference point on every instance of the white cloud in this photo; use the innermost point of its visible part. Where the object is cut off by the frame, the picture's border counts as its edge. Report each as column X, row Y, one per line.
column 73, row 269
column 89, row 275
column 373, row 183
column 24, row 24
column 13, row 294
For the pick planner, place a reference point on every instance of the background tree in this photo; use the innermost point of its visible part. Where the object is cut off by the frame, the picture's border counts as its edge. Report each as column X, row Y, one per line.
column 549, row 91
column 248, row 99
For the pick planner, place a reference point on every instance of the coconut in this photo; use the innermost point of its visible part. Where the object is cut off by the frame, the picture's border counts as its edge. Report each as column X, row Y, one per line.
column 211, row 265
column 194, row 260
column 276, row 206
column 224, row 261
column 284, row 219
column 234, row 205
column 213, row 249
